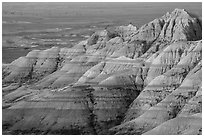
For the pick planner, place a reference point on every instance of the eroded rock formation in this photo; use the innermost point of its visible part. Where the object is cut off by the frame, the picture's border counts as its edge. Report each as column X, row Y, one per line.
column 127, row 81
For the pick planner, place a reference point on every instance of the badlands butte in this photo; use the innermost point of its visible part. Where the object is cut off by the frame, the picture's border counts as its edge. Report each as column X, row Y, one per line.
column 123, row 80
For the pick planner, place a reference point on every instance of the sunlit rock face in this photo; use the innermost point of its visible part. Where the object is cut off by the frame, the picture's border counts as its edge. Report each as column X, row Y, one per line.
column 162, row 110
column 164, row 83
column 127, row 80
column 175, row 26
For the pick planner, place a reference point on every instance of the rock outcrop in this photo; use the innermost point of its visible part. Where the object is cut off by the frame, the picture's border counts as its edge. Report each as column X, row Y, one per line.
column 127, row 80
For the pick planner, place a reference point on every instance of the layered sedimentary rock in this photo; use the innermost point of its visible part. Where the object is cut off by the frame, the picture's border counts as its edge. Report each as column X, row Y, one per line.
column 175, row 26
column 190, row 125
column 127, row 80
column 165, row 109
column 164, row 83
column 126, row 32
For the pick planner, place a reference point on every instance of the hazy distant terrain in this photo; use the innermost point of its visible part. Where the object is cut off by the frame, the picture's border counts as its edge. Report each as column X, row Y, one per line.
column 119, row 13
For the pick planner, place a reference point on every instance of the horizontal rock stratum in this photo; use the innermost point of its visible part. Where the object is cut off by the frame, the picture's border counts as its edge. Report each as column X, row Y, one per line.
column 125, row 80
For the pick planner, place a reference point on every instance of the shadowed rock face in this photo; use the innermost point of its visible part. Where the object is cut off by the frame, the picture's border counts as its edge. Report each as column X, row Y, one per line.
column 124, row 81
